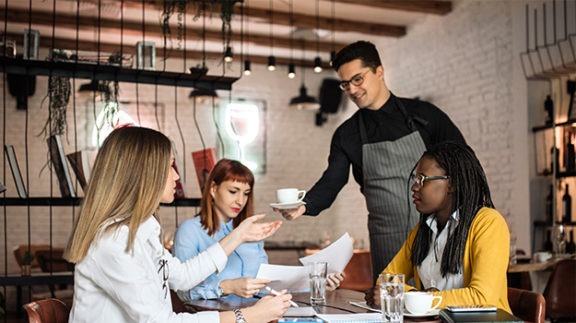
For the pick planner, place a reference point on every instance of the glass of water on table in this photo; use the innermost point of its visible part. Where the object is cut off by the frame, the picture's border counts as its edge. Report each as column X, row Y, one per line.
column 392, row 297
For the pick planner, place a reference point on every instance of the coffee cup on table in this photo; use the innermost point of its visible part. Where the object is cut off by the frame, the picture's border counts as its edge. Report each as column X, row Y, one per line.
column 420, row 303
column 290, row 195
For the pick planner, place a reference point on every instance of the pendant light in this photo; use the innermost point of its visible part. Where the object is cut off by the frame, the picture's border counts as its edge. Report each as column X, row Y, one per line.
column 247, row 63
column 291, row 66
column 228, row 56
column 333, row 51
column 304, row 101
column 317, row 59
column 202, row 94
column 271, row 58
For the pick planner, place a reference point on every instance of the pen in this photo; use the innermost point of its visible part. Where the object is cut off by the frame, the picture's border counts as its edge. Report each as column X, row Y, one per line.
column 277, row 293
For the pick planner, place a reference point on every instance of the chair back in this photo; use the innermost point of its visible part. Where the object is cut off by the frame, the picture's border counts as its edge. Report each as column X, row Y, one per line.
column 527, row 305
column 49, row 310
column 358, row 272
column 22, row 252
column 560, row 292
column 53, row 260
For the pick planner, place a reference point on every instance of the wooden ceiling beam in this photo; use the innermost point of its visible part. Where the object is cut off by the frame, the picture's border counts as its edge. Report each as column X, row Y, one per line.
column 302, row 20
column 436, row 7
column 325, row 23
column 69, row 21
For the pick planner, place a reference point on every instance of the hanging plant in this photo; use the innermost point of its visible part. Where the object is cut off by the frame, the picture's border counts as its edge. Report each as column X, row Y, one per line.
column 200, row 7
column 59, row 89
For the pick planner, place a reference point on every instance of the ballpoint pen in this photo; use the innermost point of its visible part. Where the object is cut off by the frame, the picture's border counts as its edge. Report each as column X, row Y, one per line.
column 278, row 293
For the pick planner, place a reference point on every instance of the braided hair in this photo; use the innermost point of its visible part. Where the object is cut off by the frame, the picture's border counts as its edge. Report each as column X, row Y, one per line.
column 471, row 192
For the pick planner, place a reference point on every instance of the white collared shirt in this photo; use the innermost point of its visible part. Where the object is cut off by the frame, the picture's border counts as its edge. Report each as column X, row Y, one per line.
column 112, row 285
column 429, row 269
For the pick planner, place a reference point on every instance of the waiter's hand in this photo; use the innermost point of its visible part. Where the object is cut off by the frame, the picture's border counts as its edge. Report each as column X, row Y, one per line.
column 291, row 214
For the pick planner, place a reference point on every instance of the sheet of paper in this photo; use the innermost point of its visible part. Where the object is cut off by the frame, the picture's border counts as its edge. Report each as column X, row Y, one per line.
column 306, row 311
column 348, row 318
column 337, row 255
column 292, row 278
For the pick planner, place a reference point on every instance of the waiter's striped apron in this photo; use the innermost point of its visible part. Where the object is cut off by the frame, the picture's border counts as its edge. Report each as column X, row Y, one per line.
column 386, row 167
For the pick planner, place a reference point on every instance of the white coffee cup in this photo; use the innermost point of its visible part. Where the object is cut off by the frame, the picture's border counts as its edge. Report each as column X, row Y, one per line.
column 419, row 303
column 542, row 256
column 290, row 195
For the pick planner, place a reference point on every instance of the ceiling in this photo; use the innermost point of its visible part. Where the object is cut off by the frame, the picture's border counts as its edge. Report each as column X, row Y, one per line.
column 300, row 29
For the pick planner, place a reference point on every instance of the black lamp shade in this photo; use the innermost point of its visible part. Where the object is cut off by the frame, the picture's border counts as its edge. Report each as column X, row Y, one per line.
column 291, row 71
column 228, row 56
column 271, row 63
column 317, row 64
column 304, row 101
column 247, row 67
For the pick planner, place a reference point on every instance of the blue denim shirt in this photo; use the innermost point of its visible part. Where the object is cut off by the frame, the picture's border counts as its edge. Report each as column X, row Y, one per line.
column 191, row 239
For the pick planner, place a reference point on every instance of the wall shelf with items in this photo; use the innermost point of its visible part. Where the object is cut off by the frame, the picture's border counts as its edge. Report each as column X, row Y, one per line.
column 113, row 73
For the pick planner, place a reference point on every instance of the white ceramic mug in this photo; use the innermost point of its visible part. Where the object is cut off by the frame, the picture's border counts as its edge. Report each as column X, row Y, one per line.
column 290, row 195
column 542, row 256
column 419, row 303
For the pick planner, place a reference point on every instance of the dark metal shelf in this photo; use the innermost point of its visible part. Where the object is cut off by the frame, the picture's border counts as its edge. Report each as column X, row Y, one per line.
column 113, row 73
column 68, row 201
column 549, row 126
column 540, row 223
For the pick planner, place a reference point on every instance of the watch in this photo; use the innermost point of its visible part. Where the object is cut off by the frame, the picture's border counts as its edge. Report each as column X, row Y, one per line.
column 239, row 317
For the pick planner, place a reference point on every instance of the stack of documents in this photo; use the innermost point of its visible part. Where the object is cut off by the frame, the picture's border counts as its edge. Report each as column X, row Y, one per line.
column 295, row 278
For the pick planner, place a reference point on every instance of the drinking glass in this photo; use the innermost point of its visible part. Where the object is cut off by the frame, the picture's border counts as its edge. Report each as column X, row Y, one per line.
column 317, row 272
column 392, row 297
column 559, row 238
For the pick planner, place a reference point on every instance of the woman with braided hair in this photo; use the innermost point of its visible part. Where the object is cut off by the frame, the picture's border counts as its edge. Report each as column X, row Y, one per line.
column 459, row 249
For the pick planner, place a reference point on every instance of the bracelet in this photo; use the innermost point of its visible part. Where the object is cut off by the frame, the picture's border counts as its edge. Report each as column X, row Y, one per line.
column 239, row 316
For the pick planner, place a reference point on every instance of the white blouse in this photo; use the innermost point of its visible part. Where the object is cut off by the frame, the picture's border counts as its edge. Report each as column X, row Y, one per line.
column 112, row 285
column 429, row 270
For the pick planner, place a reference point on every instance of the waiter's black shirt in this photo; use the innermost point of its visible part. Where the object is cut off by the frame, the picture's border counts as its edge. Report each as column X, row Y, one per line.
column 385, row 124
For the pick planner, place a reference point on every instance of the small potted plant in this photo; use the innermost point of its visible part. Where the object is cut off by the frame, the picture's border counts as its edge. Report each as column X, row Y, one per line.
column 27, row 263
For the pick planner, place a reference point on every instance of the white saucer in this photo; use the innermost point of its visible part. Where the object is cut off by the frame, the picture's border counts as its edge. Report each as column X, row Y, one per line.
column 287, row 206
column 429, row 313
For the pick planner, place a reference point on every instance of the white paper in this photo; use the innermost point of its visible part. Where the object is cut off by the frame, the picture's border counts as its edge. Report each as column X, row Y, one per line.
column 292, row 278
column 306, row 311
column 337, row 255
column 361, row 317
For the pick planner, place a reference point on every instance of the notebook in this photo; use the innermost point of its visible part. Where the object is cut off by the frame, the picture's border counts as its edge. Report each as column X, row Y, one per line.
column 474, row 317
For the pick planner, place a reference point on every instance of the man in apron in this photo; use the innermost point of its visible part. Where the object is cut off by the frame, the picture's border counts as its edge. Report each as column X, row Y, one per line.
column 382, row 141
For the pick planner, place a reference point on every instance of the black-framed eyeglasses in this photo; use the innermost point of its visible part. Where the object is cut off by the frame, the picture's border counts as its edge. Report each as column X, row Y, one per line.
column 421, row 179
column 165, row 274
column 356, row 80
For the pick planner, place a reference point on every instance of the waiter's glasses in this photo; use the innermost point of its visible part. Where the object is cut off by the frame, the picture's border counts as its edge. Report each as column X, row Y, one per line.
column 421, row 179
column 357, row 80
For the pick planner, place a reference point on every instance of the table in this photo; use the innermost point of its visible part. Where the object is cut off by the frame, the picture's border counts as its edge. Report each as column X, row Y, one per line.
column 337, row 302
column 539, row 271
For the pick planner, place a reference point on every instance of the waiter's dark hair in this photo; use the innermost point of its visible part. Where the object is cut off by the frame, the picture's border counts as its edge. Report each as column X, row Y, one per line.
column 362, row 50
column 471, row 192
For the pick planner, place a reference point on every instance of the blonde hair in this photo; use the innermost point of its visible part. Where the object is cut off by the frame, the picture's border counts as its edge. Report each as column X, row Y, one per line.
column 125, row 187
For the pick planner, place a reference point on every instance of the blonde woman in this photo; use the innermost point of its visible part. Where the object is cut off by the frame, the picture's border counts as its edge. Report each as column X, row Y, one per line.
column 123, row 273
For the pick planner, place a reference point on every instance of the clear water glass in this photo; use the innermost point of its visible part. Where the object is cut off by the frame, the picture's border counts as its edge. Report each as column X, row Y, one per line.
column 392, row 297
column 317, row 273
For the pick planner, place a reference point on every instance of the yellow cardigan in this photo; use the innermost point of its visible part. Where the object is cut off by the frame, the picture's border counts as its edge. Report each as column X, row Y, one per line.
column 485, row 263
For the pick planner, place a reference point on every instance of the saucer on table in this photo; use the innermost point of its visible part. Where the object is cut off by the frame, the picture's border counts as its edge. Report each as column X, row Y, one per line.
column 429, row 313
column 287, row 206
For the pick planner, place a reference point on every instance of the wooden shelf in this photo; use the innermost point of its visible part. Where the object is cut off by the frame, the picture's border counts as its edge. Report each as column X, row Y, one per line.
column 63, row 201
column 111, row 72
